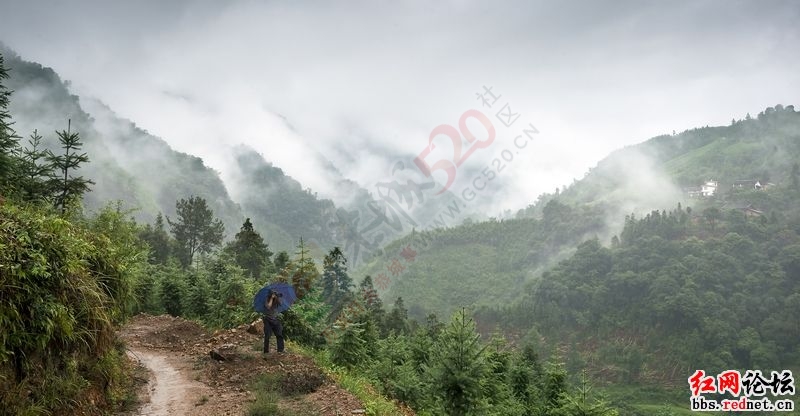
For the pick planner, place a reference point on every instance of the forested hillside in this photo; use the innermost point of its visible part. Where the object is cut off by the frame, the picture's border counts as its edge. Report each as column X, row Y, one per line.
column 128, row 164
column 134, row 166
column 635, row 297
column 705, row 281
column 498, row 257
column 674, row 290
column 479, row 263
column 265, row 191
column 652, row 174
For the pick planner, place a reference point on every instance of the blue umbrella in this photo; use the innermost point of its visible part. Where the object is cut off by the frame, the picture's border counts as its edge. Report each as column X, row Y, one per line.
column 285, row 292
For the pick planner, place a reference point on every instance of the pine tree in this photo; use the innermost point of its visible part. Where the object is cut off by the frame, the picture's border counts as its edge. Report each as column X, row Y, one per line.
column 35, row 170
column 357, row 311
column 521, row 380
column 195, row 230
column 281, row 261
column 372, row 302
column 250, row 252
column 328, row 279
column 66, row 186
column 9, row 142
column 554, row 386
column 336, row 283
column 422, row 345
column 349, row 349
column 157, row 238
column 496, row 387
column 304, row 271
column 397, row 370
column 397, row 320
column 461, row 365
column 580, row 403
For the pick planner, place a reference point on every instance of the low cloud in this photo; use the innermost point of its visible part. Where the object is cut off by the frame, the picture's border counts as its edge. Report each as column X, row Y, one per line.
column 362, row 84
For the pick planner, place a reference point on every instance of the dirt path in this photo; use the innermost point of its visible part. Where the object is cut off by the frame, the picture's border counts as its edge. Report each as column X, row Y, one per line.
column 180, row 378
column 170, row 391
column 164, row 347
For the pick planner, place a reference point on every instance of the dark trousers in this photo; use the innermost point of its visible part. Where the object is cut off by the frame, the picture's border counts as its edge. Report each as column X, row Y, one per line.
column 270, row 326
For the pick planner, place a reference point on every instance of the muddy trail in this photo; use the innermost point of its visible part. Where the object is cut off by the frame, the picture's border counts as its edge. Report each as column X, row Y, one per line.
column 178, row 375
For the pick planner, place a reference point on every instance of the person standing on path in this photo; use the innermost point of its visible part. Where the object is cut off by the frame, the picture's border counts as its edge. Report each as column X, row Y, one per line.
column 271, row 322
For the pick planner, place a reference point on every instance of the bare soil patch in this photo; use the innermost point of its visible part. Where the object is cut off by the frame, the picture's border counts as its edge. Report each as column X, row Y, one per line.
column 184, row 379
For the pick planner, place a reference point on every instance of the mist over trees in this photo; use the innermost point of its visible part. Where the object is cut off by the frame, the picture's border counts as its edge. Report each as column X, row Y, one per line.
column 558, row 296
column 670, row 287
column 658, row 284
column 127, row 162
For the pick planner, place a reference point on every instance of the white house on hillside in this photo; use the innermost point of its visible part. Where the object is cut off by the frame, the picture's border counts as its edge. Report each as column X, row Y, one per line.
column 752, row 184
column 709, row 188
column 706, row 190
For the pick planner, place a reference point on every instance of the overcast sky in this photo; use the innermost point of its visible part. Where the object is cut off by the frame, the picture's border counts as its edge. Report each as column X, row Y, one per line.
column 362, row 81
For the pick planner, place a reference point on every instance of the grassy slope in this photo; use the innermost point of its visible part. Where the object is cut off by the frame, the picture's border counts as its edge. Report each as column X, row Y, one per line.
column 471, row 265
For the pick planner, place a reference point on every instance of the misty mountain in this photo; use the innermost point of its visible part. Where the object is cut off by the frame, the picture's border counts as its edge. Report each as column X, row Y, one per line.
column 655, row 174
column 476, row 264
column 590, row 277
column 643, row 298
column 286, row 209
column 126, row 162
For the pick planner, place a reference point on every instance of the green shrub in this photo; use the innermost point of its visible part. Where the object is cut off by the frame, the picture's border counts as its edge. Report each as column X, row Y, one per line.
column 349, row 349
column 62, row 288
column 197, row 297
column 171, row 294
